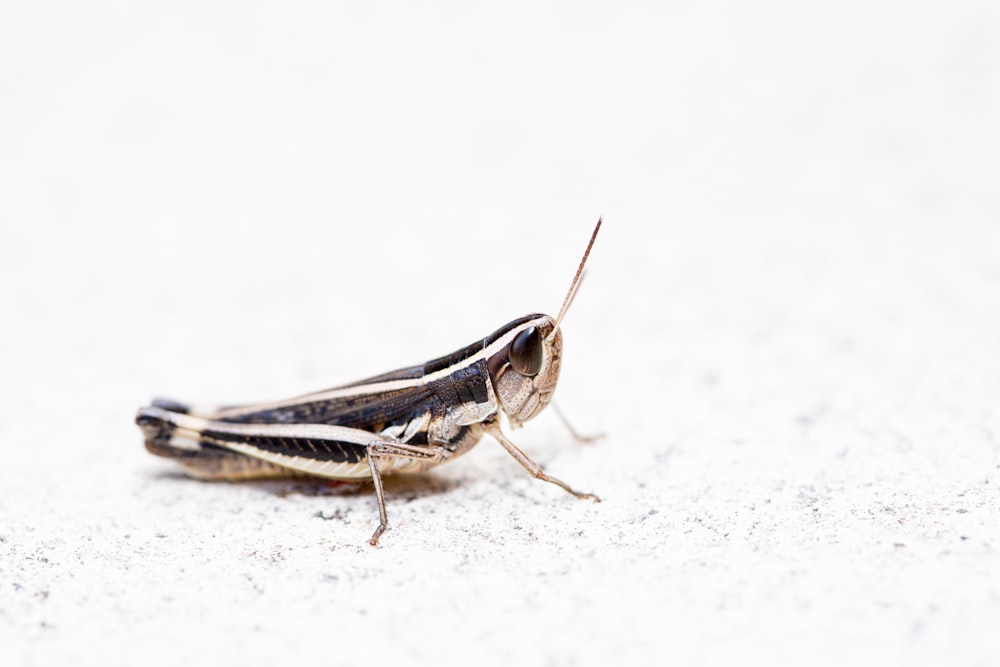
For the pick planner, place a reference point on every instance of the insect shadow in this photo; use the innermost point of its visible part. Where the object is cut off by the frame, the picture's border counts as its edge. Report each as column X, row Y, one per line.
column 402, row 487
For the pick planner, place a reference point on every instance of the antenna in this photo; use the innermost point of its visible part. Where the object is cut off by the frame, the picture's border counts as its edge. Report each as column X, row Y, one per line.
column 577, row 279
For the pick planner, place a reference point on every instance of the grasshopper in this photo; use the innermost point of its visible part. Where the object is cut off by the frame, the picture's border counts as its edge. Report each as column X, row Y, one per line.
column 404, row 421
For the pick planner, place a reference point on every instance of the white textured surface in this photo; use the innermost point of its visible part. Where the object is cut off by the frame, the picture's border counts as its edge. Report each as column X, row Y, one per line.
column 789, row 331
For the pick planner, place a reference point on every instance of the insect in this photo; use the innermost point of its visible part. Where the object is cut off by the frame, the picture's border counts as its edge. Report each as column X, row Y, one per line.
column 404, row 421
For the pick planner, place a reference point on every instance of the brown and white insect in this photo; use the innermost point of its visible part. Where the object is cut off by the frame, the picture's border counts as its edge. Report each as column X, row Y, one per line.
column 404, row 421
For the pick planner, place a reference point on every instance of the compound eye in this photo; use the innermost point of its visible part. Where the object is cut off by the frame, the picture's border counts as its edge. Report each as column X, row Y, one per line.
column 526, row 352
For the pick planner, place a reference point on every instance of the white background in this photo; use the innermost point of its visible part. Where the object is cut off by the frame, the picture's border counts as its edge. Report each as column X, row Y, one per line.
column 788, row 331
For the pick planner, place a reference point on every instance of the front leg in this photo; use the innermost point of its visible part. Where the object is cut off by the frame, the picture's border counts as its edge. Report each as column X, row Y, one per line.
column 579, row 437
column 493, row 428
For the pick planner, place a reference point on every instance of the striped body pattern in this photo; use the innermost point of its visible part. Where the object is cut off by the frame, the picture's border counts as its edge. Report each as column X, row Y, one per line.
column 435, row 407
column 405, row 421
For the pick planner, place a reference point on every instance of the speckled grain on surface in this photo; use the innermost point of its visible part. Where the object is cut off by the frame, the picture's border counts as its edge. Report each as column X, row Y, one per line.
column 788, row 331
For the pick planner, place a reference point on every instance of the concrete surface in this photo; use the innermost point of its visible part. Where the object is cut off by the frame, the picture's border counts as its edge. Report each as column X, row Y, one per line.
column 788, row 332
